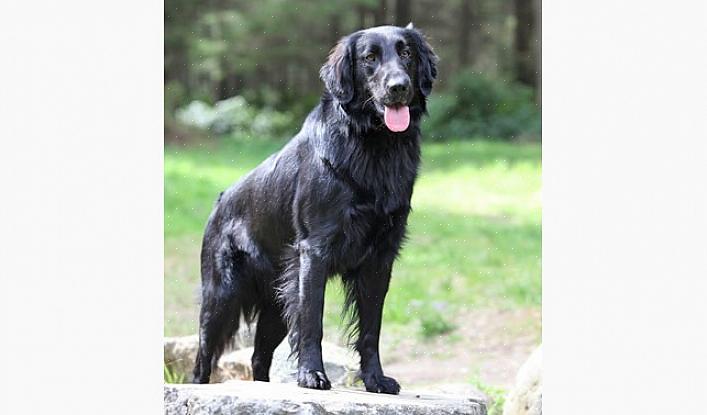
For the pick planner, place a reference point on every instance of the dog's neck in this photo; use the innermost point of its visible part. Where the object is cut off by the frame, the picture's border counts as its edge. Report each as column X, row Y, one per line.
column 372, row 154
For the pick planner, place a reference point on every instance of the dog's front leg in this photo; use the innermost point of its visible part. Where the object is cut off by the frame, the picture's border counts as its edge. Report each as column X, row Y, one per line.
column 312, row 282
column 370, row 285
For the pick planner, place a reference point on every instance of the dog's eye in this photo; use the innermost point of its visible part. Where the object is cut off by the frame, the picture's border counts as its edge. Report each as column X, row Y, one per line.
column 405, row 53
column 371, row 57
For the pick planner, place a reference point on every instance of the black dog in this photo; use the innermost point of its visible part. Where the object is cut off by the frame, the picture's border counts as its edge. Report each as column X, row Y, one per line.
column 334, row 200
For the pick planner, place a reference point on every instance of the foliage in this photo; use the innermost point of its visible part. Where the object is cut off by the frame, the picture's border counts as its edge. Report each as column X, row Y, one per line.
column 175, row 95
column 474, row 106
column 496, row 395
column 172, row 377
column 216, row 50
column 479, row 106
column 474, row 232
column 235, row 116
column 434, row 320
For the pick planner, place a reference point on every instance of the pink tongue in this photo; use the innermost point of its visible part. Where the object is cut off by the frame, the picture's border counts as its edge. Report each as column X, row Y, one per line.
column 397, row 119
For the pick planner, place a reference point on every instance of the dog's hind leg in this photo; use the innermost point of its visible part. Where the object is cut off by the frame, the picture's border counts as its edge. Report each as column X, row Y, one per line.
column 228, row 292
column 218, row 322
column 269, row 333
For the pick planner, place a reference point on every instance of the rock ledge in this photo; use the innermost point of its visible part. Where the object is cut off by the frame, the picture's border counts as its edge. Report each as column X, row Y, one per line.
column 246, row 397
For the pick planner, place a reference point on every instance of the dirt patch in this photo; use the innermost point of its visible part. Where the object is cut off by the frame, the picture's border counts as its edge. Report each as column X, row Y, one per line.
column 487, row 345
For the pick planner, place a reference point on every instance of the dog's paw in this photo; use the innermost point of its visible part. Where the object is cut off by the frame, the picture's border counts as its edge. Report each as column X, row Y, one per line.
column 381, row 384
column 313, row 379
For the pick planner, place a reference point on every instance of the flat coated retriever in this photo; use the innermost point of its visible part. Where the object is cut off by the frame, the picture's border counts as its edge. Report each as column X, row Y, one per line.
column 333, row 201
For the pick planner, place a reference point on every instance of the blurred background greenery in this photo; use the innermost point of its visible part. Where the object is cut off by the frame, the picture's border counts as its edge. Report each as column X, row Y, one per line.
column 240, row 76
column 251, row 67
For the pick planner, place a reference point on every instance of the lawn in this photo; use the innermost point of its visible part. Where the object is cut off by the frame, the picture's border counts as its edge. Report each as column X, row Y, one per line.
column 474, row 233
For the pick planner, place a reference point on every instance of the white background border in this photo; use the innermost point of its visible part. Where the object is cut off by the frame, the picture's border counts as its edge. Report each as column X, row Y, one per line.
column 625, row 210
column 81, row 207
column 624, row 207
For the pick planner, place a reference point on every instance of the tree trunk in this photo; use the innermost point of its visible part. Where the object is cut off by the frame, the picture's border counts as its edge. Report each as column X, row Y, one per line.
column 525, row 59
column 403, row 15
column 538, row 52
column 362, row 17
column 379, row 17
column 467, row 26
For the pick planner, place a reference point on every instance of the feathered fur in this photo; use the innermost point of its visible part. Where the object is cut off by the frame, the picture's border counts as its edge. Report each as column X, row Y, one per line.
column 333, row 201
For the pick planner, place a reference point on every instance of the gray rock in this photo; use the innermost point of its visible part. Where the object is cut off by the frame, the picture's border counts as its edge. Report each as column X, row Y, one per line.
column 181, row 351
column 238, row 397
column 245, row 337
column 458, row 389
column 233, row 366
column 340, row 365
column 180, row 354
column 527, row 394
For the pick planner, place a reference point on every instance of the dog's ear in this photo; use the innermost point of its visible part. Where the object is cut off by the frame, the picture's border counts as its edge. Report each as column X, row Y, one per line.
column 426, row 62
column 338, row 71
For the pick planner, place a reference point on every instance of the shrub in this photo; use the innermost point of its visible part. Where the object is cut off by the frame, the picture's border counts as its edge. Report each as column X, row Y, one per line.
column 479, row 106
column 434, row 320
column 235, row 116
column 496, row 395
column 272, row 123
column 175, row 95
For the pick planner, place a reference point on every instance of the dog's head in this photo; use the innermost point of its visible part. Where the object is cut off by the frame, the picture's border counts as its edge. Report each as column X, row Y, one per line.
column 385, row 71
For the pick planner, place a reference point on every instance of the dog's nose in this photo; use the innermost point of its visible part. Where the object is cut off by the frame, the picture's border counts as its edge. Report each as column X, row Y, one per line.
column 398, row 86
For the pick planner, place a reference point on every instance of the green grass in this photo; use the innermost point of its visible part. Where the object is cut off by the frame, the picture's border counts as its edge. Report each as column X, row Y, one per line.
column 475, row 229
column 170, row 376
column 496, row 395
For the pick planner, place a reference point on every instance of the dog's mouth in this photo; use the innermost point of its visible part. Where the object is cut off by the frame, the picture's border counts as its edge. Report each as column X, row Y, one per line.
column 394, row 111
column 397, row 117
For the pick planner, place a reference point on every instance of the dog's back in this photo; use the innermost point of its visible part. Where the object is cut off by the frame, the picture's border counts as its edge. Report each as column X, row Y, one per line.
column 334, row 200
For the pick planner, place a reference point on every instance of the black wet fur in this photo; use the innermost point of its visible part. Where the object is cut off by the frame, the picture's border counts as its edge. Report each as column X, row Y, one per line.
column 334, row 201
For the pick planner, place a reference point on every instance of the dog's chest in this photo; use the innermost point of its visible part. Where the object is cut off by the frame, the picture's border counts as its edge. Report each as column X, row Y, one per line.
column 378, row 192
column 379, row 182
